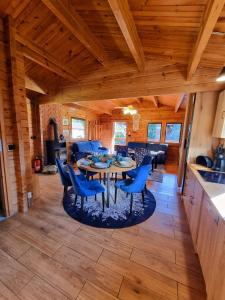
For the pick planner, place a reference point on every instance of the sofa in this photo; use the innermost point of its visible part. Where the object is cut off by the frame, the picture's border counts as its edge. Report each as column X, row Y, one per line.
column 83, row 148
column 152, row 147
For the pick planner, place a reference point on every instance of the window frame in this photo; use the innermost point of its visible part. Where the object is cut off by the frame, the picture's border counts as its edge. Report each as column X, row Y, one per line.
column 160, row 137
column 85, row 128
column 181, row 127
column 124, row 122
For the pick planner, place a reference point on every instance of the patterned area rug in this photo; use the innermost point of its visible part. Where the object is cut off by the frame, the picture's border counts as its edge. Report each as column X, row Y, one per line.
column 157, row 174
column 116, row 216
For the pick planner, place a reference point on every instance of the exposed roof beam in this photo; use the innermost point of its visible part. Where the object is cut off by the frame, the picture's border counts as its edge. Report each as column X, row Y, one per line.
column 86, row 108
column 126, row 23
column 211, row 16
column 31, row 85
column 155, row 100
column 179, row 102
column 74, row 23
column 43, row 58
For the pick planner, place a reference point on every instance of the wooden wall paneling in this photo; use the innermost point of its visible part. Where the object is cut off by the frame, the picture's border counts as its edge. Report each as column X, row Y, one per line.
column 201, row 141
column 59, row 112
column 17, row 93
column 4, row 159
column 163, row 114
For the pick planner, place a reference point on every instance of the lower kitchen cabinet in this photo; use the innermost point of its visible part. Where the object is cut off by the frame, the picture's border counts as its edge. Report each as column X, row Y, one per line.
column 208, row 233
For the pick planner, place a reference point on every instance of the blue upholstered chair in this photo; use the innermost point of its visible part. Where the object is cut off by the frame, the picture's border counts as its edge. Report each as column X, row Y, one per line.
column 64, row 176
column 147, row 160
column 84, row 188
column 135, row 185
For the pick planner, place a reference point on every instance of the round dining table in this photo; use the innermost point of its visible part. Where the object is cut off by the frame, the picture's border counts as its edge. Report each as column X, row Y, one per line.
column 114, row 168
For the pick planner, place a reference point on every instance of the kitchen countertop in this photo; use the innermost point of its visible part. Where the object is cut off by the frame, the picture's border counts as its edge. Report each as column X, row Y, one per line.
column 215, row 191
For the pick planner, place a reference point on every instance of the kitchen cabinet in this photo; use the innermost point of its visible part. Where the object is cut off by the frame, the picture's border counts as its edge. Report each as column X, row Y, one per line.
column 192, row 198
column 207, row 228
column 219, row 123
column 207, row 237
column 188, row 193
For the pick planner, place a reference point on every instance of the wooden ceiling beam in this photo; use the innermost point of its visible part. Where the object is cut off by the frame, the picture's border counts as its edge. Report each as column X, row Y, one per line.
column 31, row 85
column 211, row 16
column 179, row 102
column 43, row 58
column 155, row 100
column 75, row 24
column 89, row 109
column 123, row 15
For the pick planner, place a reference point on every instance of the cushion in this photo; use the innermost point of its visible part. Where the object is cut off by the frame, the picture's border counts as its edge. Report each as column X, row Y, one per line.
column 84, row 147
column 95, row 145
column 133, row 145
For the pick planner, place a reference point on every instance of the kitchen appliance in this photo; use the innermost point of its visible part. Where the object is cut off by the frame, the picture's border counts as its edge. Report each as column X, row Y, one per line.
column 205, row 161
column 219, row 159
column 215, row 177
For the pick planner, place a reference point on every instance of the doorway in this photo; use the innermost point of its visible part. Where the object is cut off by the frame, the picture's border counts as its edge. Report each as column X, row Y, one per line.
column 119, row 133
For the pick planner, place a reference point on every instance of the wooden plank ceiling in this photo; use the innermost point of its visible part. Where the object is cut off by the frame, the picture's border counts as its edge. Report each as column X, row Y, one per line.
column 129, row 50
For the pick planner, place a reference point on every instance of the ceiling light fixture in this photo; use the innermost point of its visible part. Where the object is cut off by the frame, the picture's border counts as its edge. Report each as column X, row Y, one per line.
column 129, row 110
column 221, row 77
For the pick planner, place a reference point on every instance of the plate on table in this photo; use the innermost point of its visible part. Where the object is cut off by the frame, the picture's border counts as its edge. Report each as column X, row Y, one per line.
column 124, row 164
column 100, row 165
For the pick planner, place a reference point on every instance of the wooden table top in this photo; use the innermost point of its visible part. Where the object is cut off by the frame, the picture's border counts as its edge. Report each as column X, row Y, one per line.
column 112, row 169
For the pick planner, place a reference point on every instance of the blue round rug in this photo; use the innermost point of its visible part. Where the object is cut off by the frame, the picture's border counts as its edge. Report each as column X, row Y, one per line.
column 116, row 216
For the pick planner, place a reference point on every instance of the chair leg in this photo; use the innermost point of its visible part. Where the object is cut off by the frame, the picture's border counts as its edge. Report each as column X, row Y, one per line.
column 115, row 177
column 103, row 201
column 100, row 177
column 76, row 200
column 82, row 204
column 86, row 198
column 115, row 195
column 131, row 203
column 104, row 178
column 127, row 195
column 143, row 196
column 65, row 190
column 96, row 197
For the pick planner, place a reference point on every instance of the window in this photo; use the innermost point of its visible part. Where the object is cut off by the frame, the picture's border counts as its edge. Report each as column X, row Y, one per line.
column 120, row 133
column 154, row 132
column 173, row 131
column 78, row 128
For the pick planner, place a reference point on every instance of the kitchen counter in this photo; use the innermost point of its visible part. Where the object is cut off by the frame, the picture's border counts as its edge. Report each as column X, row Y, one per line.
column 215, row 191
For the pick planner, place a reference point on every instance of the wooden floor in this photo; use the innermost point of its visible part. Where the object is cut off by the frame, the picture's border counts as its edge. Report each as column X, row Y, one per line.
column 47, row 255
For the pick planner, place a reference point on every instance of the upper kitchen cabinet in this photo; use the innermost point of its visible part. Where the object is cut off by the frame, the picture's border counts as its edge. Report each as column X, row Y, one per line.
column 219, row 125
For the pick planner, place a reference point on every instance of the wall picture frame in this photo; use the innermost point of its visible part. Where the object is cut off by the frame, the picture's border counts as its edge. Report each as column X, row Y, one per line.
column 65, row 121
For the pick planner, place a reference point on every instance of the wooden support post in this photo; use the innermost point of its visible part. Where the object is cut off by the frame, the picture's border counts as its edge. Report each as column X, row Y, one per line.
column 16, row 84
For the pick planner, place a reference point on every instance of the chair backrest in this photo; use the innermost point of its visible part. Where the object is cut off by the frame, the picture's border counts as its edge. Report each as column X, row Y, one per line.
column 121, row 150
column 140, row 153
column 64, row 176
column 147, row 160
column 139, row 181
column 78, row 185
